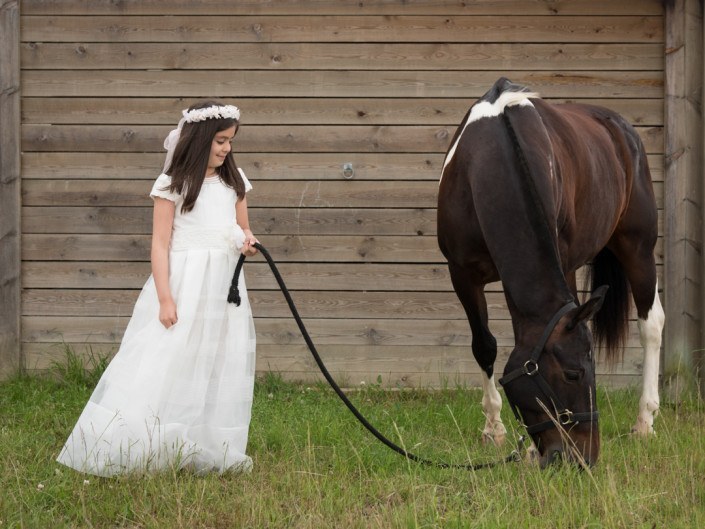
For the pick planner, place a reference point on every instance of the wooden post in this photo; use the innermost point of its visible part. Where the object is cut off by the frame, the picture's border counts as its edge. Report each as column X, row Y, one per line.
column 684, row 197
column 10, row 350
column 700, row 357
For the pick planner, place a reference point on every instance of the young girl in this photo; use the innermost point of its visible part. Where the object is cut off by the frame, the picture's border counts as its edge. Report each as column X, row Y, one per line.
column 179, row 390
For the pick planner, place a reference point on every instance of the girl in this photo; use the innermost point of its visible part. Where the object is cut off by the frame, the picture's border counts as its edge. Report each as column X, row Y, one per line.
column 179, row 391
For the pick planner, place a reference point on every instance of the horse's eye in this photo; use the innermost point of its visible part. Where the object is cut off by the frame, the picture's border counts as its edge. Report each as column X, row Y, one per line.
column 572, row 375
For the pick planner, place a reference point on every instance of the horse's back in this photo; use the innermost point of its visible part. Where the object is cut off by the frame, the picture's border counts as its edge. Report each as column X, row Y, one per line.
column 587, row 164
column 604, row 177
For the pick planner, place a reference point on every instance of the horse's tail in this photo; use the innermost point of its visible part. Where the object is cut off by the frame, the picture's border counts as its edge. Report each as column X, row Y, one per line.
column 611, row 322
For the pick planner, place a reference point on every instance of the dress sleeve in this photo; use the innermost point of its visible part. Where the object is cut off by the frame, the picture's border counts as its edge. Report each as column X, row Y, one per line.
column 248, row 185
column 161, row 188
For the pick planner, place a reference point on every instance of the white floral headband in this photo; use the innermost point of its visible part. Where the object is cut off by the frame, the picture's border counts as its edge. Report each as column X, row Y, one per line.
column 194, row 116
column 212, row 112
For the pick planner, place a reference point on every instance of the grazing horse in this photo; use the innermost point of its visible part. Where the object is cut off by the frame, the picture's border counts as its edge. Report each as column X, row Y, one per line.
column 531, row 191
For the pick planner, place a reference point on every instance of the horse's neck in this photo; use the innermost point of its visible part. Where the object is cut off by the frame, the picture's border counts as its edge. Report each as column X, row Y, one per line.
column 537, row 292
column 529, row 262
column 524, row 249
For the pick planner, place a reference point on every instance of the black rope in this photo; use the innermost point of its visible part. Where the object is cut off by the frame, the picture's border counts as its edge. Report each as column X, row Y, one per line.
column 234, row 297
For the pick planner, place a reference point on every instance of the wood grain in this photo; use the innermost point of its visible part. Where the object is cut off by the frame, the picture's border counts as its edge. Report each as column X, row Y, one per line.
column 268, row 138
column 339, row 56
column 434, row 334
column 305, row 111
column 343, row 28
column 383, row 277
column 264, row 220
column 286, row 248
column 273, row 194
column 324, row 83
column 257, row 166
column 344, row 7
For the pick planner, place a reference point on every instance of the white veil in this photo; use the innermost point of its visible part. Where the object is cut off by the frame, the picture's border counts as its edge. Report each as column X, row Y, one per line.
column 170, row 143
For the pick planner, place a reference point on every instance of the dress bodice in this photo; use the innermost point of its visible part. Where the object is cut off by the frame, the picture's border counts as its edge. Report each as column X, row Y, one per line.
column 212, row 223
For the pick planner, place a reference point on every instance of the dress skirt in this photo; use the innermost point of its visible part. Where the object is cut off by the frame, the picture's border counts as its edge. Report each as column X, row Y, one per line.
column 178, row 397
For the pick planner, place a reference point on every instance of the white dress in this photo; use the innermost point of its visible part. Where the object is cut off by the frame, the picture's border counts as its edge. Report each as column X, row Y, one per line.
column 179, row 397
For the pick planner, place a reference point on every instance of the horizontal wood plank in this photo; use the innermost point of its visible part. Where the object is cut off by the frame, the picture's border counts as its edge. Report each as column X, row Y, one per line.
column 295, row 358
column 285, row 248
column 334, row 305
column 283, row 221
column 296, row 194
column 343, row 7
column 298, row 276
column 284, row 332
column 268, row 138
column 359, row 29
column 325, row 83
column 386, row 277
column 303, row 111
column 399, row 366
column 305, row 248
column 258, row 166
column 265, row 221
column 339, row 56
column 311, row 304
column 280, row 194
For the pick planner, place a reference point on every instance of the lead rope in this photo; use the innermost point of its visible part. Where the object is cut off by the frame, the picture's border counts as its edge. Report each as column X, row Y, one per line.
column 234, row 297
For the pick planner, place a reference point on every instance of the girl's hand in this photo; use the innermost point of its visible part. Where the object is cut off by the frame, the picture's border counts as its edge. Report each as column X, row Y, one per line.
column 248, row 248
column 167, row 313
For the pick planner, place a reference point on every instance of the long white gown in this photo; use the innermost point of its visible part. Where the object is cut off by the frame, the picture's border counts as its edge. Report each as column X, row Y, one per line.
column 179, row 397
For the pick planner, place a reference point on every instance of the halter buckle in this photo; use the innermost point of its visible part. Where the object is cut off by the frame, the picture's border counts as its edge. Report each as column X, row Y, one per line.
column 565, row 418
column 527, row 367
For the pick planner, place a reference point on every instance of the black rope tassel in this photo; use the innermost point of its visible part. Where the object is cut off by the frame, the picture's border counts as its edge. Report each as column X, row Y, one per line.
column 234, row 292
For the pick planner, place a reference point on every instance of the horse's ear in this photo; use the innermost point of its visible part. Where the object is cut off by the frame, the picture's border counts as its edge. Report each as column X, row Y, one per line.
column 588, row 309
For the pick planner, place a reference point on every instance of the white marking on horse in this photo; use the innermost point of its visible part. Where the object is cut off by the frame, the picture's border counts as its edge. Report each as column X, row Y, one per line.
column 494, row 430
column 485, row 109
column 650, row 335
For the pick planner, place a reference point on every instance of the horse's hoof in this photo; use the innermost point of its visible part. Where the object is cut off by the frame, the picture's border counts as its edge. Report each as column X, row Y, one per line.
column 493, row 439
column 642, row 430
column 532, row 455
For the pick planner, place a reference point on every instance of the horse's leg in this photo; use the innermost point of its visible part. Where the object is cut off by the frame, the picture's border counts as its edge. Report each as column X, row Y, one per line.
column 640, row 267
column 484, row 348
column 650, row 329
column 650, row 321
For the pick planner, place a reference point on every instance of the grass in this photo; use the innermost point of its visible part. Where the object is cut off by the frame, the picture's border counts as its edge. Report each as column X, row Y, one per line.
column 315, row 466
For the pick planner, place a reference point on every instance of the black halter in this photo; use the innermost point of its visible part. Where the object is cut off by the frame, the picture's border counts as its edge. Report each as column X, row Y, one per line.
column 565, row 417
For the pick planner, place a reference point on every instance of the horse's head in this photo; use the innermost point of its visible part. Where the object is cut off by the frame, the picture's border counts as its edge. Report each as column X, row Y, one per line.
column 551, row 384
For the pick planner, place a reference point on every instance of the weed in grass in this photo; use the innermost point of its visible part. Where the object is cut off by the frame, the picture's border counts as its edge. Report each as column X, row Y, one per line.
column 78, row 370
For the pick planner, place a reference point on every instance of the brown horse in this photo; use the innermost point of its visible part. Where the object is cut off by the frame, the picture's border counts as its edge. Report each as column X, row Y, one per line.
column 530, row 192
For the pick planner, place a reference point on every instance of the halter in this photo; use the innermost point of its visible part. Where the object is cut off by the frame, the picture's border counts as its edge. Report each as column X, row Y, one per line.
column 565, row 417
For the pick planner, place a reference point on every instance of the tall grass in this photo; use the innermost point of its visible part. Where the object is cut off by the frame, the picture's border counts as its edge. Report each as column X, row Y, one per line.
column 316, row 467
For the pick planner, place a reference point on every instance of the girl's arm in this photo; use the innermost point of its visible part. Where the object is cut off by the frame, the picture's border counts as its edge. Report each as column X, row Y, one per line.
column 161, row 237
column 244, row 222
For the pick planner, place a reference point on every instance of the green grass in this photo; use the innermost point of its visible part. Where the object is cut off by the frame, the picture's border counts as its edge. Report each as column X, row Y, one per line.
column 316, row 467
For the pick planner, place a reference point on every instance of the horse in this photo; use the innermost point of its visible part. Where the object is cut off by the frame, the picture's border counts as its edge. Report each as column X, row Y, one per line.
column 531, row 191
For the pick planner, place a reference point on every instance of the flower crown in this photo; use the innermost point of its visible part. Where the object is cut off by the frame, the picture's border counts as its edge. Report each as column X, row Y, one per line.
column 212, row 112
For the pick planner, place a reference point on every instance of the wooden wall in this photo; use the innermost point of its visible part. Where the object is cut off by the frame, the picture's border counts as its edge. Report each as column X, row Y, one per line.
column 379, row 84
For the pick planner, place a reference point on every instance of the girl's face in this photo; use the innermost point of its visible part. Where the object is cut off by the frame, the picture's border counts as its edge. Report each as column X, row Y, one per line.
column 220, row 147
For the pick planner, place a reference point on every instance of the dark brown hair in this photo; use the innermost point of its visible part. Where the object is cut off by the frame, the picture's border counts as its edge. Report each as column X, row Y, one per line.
column 190, row 161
